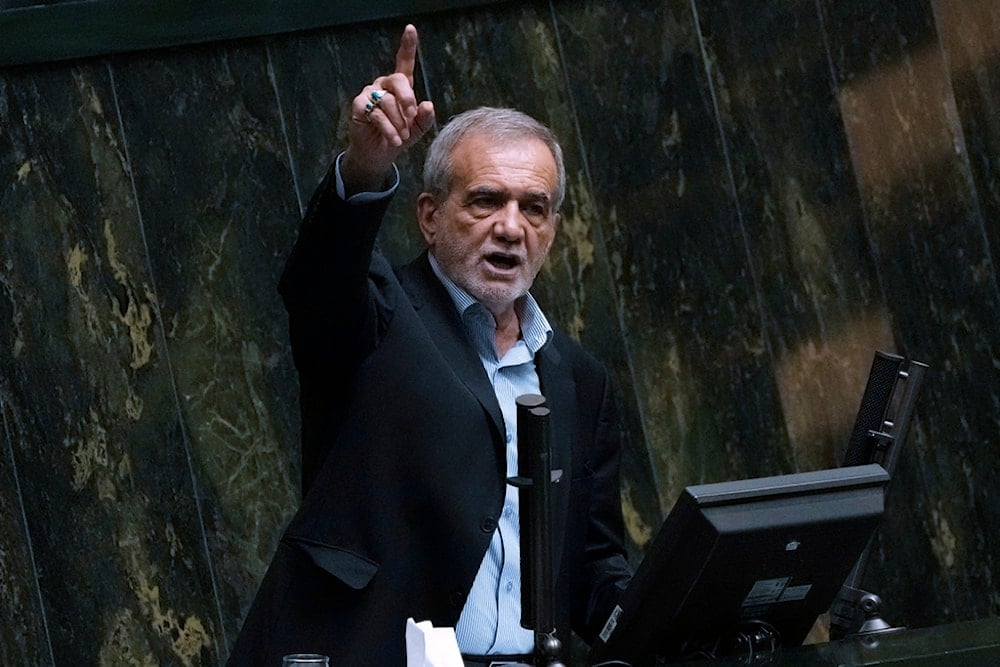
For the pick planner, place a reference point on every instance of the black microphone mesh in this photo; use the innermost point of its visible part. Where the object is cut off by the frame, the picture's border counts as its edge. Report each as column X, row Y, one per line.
column 874, row 404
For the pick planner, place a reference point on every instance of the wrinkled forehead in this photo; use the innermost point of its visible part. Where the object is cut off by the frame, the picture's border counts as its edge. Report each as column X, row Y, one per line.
column 519, row 163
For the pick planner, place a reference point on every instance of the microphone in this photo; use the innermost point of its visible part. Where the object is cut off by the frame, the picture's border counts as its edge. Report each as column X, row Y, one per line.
column 533, row 481
column 870, row 424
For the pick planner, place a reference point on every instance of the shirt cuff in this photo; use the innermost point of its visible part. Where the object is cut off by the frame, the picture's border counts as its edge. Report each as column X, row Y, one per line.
column 364, row 197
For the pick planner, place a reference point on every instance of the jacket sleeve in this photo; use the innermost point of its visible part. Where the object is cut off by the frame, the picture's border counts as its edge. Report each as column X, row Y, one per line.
column 330, row 288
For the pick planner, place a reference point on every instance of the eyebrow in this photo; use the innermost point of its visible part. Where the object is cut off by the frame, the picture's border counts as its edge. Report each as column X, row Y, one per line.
column 488, row 191
column 537, row 196
column 530, row 196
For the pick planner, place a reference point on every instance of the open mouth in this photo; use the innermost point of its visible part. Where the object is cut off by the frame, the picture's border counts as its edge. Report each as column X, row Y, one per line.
column 503, row 261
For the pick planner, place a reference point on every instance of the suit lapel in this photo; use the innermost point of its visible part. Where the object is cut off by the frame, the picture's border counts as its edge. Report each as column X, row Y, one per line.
column 437, row 311
column 431, row 301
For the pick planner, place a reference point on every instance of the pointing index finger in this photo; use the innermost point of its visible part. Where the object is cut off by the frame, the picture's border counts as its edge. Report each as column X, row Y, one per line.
column 406, row 56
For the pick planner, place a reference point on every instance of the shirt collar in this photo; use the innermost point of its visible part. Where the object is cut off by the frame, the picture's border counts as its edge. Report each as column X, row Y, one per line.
column 535, row 328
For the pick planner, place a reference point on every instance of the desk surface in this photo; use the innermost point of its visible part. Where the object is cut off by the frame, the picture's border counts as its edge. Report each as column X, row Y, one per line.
column 967, row 643
column 957, row 644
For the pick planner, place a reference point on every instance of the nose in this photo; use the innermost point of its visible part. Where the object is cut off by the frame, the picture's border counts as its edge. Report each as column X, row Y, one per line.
column 509, row 224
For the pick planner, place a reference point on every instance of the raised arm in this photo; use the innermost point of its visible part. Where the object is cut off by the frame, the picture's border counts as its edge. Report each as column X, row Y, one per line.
column 386, row 119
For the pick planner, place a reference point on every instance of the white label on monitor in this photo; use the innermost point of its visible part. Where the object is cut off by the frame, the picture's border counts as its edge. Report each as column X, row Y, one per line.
column 795, row 593
column 765, row 591
column 609, row 627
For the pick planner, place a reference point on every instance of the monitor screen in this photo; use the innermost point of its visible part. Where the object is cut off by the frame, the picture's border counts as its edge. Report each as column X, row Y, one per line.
column 765, row 555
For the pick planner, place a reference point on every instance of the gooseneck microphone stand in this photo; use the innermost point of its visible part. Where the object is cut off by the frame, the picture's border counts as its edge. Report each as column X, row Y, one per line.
column 534, row 481
column 884, row 417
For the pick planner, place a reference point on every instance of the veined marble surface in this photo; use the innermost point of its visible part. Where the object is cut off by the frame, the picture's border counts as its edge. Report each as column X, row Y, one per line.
column 760, row 196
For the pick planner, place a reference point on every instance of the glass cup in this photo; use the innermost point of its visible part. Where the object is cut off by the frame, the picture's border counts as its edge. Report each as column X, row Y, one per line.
column 305, row 660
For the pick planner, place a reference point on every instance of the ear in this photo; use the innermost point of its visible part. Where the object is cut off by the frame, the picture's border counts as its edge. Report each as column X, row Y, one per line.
column 427, row 207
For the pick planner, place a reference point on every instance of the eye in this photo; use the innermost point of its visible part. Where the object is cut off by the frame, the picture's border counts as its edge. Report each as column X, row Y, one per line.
column 536, row 210
column 483, row 203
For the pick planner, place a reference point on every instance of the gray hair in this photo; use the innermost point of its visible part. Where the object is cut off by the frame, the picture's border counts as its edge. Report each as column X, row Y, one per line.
column 499, row 125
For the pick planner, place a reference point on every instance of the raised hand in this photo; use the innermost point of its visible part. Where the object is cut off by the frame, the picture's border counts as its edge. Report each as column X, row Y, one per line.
column 386, row 119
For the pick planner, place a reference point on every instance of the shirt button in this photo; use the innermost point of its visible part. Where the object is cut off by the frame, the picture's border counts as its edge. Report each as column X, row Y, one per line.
column 510, row 438
column 510, row 586
column 488, row 524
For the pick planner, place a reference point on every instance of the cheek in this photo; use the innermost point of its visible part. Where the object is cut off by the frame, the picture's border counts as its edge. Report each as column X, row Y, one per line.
column 462, row 240
column 543, row 239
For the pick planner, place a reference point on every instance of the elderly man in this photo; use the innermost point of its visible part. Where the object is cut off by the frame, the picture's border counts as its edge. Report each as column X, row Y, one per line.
column 408, row 384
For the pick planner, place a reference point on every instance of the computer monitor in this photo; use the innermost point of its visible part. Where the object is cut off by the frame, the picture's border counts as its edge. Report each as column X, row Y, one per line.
column 742, row 562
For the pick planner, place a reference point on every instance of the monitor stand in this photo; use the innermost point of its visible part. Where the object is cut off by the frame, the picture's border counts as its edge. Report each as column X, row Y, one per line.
column 871, row 605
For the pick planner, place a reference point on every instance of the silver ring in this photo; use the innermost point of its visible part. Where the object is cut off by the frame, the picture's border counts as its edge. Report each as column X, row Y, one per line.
column 376, row 97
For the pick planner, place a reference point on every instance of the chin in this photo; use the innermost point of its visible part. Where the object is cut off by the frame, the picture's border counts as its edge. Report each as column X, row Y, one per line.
column 499, row 296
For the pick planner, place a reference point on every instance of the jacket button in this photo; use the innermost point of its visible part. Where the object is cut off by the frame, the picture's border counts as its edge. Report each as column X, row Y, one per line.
column 488, row 525
column 457, row 598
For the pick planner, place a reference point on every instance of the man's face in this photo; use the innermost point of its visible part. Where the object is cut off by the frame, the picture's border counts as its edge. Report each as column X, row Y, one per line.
column 493, row 231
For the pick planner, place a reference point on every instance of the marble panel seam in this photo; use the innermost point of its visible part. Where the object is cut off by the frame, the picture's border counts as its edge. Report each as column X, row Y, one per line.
column 221, row 634
column 27, row 533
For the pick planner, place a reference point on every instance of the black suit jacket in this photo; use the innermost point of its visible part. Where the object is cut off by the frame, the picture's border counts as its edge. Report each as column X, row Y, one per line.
column 404, row 459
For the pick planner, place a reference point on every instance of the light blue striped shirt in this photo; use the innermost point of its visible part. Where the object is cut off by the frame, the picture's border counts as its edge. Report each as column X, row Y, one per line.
column 491, row 619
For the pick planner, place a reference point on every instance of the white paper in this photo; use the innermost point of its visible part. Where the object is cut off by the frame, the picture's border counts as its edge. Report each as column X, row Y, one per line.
column 427, row 646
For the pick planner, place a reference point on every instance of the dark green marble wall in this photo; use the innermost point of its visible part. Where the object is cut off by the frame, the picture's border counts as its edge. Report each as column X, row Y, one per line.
column 761, row 195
